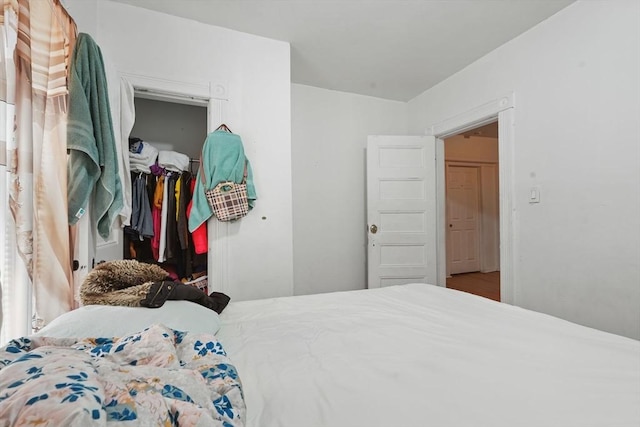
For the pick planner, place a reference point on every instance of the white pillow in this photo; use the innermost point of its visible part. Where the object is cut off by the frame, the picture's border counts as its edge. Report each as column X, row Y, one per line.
column 116, row 321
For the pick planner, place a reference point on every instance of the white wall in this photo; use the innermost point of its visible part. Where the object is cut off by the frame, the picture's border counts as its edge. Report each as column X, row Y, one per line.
column 257, row 72
column 329, row 138
column 576, row 79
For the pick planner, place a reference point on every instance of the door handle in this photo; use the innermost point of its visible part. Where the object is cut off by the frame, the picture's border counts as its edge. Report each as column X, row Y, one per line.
column 450, row 225
column 373, row 229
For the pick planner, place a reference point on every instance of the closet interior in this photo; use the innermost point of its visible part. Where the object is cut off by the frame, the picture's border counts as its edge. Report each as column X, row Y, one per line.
column 159, row 233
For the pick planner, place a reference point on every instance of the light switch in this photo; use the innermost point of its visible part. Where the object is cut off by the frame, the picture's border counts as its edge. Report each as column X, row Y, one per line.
column 534, row 195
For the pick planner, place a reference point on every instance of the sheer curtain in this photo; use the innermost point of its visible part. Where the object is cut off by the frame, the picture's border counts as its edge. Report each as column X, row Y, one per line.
column 37, row 41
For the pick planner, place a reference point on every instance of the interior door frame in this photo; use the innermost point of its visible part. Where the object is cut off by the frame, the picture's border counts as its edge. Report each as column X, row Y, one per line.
column 503, row 110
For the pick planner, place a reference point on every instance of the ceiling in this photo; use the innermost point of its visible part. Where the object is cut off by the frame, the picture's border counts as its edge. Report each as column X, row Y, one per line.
column 393, row 49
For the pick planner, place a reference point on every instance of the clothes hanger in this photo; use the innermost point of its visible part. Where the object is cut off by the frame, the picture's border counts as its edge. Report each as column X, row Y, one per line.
column 191, row 162
column 224, row 128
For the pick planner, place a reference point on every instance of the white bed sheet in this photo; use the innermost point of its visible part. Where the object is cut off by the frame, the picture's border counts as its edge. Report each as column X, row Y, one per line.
column 422, row 355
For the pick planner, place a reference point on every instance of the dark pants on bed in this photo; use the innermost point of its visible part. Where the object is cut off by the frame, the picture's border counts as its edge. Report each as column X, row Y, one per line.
column 168, row 290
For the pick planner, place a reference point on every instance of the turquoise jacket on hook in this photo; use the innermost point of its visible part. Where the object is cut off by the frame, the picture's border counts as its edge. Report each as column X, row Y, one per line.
column 222, row 159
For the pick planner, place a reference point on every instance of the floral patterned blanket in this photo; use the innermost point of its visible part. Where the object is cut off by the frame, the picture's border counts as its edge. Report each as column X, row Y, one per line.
column 158, row 377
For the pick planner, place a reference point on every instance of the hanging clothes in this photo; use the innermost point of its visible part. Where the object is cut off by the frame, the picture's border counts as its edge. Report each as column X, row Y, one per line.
column 121, row 105
column 36, row 83
column 199, row 235
column 138, row 236
column 141, row 219
column 169, row 190
column 183, row 195
column 156, row 213
column 171, row 229
column 180, row 258
column 163, row 220
column 223, row 159
column 93, row 163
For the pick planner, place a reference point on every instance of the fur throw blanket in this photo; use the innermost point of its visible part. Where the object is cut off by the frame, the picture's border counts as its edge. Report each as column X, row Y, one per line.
column 121, row 282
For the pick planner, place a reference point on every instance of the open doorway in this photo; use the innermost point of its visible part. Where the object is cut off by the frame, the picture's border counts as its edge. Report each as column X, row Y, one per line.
column 172, row 124
column 472, row 211
column 502, row 109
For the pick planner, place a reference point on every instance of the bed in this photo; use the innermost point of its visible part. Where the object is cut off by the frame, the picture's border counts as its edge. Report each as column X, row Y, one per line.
column 122, row 366
column 408, row 355
column 422, row 355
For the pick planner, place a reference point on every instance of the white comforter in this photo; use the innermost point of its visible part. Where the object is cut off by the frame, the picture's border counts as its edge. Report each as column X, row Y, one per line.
column 421, row 355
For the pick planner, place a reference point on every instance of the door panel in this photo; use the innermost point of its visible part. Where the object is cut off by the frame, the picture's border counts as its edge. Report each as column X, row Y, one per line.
column 401, row 210
column 402, row 222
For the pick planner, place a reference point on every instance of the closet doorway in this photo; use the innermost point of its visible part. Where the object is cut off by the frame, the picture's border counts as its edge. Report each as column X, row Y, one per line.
column 211, row 99
column 178, row 125
column 472, row 211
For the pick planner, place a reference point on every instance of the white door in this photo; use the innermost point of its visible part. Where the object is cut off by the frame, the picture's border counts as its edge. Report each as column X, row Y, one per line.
column 401, row 210
column 463, row 229
column 110, row 249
